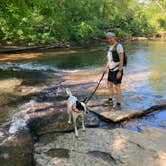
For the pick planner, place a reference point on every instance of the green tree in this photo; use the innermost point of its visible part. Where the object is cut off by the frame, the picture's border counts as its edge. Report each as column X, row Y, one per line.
column 50, row 21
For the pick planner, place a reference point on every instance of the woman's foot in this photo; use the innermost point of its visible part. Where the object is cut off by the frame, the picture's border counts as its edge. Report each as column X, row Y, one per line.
column 118, row 106
column 109, row 101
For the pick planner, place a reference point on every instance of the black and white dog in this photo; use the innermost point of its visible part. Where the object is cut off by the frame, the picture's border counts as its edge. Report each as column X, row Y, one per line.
column 75, row 109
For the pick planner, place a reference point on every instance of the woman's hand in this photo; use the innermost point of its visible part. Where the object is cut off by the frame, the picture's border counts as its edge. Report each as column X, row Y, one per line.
column 119, row 74
column 106, row 67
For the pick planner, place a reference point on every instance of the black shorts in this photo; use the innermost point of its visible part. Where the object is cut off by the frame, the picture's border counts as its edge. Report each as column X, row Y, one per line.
column 112, row 77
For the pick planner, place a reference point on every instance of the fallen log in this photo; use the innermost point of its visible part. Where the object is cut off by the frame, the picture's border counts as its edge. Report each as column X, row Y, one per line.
column 121, row 115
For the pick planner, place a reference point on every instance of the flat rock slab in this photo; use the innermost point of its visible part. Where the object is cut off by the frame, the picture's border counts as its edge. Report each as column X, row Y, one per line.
column 108, row 113
column 101, row 147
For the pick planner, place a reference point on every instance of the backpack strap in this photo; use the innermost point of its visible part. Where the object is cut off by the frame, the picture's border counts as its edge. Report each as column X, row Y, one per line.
column 115, row 46
column 107, row 49
column 125, row 57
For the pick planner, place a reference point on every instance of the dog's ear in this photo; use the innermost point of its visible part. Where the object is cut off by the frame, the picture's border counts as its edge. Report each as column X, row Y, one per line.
column 68, row 91
column 79, row 106
column 85, row 100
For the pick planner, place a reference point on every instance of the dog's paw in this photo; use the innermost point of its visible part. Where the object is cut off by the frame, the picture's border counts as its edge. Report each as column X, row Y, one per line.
column 83, row 130
column 69, row 122
column 76, row 135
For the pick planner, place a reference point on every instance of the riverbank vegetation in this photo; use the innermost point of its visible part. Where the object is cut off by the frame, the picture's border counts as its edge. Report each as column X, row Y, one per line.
column 38, row 22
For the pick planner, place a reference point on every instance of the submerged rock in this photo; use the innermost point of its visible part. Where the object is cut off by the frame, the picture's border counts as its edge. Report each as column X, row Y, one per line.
column 103, row 147
column 162, row 123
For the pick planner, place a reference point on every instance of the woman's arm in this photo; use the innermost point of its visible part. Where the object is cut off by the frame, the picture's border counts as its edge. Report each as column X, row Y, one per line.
column 121, row 57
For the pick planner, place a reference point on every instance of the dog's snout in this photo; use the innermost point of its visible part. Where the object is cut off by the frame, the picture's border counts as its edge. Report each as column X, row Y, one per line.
column 87, row 112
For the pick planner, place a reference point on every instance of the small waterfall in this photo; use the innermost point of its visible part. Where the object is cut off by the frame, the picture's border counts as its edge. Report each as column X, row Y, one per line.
column 32, row 67
column 20, row 118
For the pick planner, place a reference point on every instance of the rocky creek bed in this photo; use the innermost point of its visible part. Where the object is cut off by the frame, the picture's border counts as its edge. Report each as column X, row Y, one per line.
column 38, row 133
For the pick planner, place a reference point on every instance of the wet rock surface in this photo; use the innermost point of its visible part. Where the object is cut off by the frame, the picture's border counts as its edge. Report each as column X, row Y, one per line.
column 103, row 147
column 58, row 123
column 55, row 140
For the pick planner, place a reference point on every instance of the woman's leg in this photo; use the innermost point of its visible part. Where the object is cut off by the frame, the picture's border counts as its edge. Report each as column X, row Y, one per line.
column 110, row 89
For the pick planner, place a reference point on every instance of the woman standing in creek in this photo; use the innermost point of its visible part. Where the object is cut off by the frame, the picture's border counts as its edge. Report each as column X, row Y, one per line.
column 115, row 57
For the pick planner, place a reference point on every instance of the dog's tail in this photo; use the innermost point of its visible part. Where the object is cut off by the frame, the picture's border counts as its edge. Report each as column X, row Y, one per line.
column 68, row 91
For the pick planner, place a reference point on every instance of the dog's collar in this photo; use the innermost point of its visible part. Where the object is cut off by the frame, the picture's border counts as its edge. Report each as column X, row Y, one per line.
column 74, row 109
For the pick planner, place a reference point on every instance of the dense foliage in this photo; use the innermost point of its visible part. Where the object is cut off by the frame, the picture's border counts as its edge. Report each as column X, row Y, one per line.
column 49, row 21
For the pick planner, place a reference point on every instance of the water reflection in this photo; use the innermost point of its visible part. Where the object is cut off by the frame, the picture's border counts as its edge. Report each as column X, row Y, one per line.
column 156, row 119
column 83, row 59
column 149, row 57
